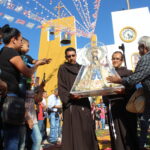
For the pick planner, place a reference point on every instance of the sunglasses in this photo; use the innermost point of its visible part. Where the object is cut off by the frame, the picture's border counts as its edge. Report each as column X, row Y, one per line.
column 69, row 56
column 116, row 59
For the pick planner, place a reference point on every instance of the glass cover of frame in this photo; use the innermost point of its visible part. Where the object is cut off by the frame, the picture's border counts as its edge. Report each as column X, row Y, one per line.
column 91, row 79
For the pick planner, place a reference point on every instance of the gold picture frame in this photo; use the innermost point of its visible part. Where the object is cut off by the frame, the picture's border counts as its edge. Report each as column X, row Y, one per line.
column 128, row 34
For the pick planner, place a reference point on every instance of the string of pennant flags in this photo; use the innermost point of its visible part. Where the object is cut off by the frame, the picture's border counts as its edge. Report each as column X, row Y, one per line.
column 41, row 11
column 32, row 25
column 10, row 18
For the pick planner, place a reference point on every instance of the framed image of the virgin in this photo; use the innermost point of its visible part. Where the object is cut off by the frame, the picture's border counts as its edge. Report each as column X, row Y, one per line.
column 91, row 79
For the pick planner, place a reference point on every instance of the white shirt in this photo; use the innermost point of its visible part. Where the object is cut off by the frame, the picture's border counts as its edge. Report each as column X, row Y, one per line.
column 44, row 101
column 53, row 101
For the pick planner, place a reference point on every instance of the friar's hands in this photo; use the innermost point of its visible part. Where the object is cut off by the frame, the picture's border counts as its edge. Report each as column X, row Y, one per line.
column 72, row 96
column 119, row 90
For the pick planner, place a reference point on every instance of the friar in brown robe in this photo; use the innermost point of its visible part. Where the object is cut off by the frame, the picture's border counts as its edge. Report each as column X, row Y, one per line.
column 78, row 127
column 122, row 124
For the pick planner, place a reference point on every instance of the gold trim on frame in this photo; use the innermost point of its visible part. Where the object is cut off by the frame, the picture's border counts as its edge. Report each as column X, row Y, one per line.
column 128, row 40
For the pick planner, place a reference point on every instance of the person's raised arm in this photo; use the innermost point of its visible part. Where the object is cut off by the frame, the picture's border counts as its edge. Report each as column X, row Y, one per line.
column 20, row 65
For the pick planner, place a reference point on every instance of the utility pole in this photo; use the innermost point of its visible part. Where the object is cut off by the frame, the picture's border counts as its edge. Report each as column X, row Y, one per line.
column 122, row 47
column 128, row 4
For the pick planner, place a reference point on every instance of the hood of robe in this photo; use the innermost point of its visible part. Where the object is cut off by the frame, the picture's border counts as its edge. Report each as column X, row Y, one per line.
column 123, row 71
column 73, row 68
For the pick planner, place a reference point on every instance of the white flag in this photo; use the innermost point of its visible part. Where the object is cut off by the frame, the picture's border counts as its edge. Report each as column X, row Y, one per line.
column 3, row 1
column 8, row 17
column 30, row 25
column 18, row 8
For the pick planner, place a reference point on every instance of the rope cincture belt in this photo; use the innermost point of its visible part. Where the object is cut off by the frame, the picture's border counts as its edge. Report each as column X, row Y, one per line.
column 111, row 121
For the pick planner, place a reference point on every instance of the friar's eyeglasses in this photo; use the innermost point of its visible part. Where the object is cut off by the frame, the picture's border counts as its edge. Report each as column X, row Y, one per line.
column 69, row 56
column 116, row 58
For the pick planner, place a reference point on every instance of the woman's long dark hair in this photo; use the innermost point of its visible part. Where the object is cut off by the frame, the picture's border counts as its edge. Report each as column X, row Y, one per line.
column 8, row 33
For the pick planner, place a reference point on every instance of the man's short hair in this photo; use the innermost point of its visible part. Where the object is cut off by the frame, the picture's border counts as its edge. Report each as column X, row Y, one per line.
column 145, row 41
column 70, row 49
column 122, row 55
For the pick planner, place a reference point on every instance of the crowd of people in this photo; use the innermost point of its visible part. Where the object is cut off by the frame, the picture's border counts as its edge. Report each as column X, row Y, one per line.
column 72, row 118
column 98, row 112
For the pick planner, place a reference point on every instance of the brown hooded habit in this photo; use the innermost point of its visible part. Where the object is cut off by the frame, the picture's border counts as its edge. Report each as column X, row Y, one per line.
column 78, row 126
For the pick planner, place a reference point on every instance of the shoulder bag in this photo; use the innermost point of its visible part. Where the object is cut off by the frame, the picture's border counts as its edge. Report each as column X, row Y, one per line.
column 136, row 103
column 13, row 110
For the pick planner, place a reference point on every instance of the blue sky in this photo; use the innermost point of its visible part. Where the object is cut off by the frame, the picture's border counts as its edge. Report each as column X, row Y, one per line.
column 103, row 27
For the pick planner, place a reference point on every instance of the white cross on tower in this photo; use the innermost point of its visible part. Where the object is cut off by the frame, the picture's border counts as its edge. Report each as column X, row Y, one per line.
column 59, row 7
